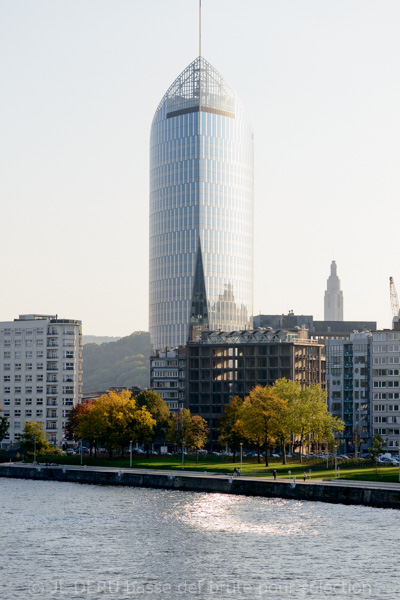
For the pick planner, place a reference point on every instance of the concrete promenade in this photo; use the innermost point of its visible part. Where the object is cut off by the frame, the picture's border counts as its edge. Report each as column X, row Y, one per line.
column 383, row 495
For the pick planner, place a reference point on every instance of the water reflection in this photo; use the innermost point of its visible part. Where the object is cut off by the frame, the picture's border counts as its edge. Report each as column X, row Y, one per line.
column 223, row 513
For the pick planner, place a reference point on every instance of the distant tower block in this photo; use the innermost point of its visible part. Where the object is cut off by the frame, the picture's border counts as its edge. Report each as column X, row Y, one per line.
column 333, row 304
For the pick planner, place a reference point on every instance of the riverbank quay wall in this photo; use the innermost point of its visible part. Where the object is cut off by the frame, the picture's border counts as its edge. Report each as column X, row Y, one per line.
column 317, row 492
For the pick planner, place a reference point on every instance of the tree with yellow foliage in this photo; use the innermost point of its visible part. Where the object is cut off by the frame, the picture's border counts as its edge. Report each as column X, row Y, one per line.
column 263, row 412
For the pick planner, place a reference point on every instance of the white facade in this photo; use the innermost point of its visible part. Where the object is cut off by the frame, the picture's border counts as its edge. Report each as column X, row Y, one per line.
column 333, row 302
column 40, row 373
column 386, row 387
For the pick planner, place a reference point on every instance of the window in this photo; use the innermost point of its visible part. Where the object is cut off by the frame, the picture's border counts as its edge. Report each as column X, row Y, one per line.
column 28, row 378
column 39, row 366
column 17, row 354
column 39, row 412
column 7, row 355
column 7, row 389
column 28, row 366
column 39, row 354
column 7, row 367
column 17, row 366
column 39, row 377
column 28, row 354
column 17, row 412
column 39, row 389
column 28, row 413
column 28, row 389
column 7, row 378
column 39, row 401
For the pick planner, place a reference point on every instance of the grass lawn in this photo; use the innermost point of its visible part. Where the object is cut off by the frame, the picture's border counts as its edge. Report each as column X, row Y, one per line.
column 348, row 469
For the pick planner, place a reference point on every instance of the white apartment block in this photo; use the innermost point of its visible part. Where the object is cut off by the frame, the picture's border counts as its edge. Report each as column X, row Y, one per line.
column 386, row 387
column 40, row 373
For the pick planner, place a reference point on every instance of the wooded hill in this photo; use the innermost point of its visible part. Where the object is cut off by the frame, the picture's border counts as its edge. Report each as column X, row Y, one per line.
column 122, row 363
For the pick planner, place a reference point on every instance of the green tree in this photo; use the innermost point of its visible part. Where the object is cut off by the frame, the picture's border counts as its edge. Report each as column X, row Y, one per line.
column 4, row 426
column 198, row 434
column 290, row 391
column 190, row 431
column 159, row 410
column 230, row 425
column 31, row 433
column 263, row 410
column 376, row 449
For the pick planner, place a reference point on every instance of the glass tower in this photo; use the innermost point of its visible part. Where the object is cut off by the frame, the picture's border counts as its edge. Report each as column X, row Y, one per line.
column 201, row 210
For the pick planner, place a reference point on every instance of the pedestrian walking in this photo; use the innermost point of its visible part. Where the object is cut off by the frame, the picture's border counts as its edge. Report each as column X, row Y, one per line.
column 275, row 473
column 304, row 476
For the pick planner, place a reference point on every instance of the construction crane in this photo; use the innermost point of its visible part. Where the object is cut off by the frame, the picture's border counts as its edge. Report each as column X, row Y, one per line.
column 394, row 300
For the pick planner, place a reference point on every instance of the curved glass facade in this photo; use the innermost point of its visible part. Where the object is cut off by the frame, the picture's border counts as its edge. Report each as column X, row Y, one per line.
column 201, row 210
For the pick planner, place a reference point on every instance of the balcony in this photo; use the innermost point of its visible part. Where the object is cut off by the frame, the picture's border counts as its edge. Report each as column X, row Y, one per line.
column 51, row 403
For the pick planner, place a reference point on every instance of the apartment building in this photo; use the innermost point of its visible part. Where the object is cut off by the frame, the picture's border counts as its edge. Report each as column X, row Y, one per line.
column 348, row 379
column 168, row 374
column 40, row 373
column 385, row 370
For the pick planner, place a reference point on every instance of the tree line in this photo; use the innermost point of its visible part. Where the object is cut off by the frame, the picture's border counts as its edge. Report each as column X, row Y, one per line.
column 114, row 420
column 282, row 415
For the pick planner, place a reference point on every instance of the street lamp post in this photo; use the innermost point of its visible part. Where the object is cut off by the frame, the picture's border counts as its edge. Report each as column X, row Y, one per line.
column 81, row 453
column 130, row 454
column 34, row 450
column 183, row 443
column 335, row 447
column 399, row 461
column 327, row 454
column 241, row 457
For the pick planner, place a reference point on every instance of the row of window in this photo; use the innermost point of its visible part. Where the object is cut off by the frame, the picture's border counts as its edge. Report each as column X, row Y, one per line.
column 67, row 366
column 385, row 407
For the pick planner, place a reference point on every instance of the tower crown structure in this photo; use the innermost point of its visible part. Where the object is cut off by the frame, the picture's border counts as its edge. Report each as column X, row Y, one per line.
column 333, row 302
column 201, row 209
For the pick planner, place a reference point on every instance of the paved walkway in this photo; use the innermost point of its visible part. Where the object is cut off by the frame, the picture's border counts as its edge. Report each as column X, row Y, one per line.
column 212, row 475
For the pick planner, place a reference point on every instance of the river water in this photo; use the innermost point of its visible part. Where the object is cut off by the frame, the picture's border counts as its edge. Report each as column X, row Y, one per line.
column 65, row 541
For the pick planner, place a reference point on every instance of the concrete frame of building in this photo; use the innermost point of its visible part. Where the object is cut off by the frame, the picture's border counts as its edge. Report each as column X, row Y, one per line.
column 224, row 365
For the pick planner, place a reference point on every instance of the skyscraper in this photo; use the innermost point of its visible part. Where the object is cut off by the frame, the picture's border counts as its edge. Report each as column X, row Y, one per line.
column 333, row 303
column 201, row 209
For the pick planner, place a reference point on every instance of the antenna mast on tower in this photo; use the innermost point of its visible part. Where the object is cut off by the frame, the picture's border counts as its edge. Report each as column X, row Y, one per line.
column 199, row 27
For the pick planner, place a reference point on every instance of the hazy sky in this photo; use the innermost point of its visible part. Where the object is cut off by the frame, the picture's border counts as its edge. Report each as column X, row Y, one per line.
column 80, row 81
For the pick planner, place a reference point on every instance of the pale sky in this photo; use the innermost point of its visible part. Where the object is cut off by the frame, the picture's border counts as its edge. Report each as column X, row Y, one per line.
column 80, row 81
